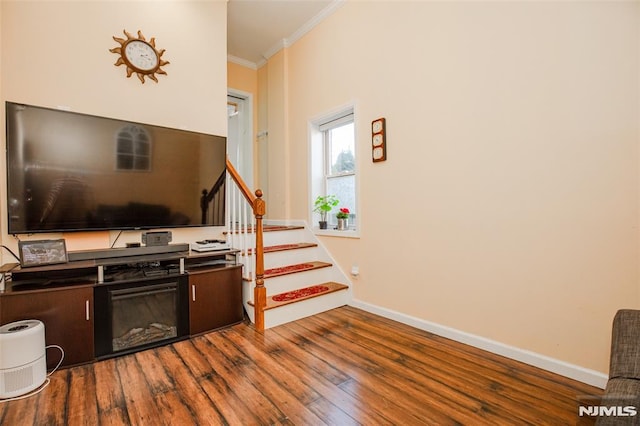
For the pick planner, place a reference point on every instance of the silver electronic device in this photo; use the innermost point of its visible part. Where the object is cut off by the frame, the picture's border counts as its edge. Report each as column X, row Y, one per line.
column 210, row 245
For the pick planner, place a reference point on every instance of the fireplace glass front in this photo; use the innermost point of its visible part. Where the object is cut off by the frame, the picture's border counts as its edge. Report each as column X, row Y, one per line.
column 140, row 316
column 143, row 315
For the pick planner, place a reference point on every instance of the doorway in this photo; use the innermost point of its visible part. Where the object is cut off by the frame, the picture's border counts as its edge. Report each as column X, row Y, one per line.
column 239, row 134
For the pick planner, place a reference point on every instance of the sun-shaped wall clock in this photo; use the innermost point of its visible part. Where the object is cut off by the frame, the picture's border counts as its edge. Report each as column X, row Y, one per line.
column 139, row 56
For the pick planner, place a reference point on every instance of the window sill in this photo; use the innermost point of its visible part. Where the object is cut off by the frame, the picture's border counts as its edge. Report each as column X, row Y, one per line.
column 351, row 233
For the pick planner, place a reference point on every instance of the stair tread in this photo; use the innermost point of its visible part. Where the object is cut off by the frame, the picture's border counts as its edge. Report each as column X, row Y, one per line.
column 292, row 269
column 283, row 247
column 290, row 296
column 271, row 228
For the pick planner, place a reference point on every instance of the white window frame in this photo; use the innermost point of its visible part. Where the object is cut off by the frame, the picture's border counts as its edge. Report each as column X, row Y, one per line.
column 318, row 168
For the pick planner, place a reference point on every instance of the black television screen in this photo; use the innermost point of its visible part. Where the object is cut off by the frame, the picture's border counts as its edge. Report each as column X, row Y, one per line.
column 68, row 171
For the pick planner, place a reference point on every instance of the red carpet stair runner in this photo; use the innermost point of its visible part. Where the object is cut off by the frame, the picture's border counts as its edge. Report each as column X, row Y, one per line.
column 303, row 293
column 283, row 247
column 297, row 294
column 292, row 269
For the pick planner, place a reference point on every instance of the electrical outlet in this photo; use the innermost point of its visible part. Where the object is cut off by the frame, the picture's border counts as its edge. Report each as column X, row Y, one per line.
column 355, row 270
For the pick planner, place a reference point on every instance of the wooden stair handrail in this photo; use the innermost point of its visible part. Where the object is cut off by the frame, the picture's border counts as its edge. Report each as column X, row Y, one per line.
column 259, row 209
column 246, row 192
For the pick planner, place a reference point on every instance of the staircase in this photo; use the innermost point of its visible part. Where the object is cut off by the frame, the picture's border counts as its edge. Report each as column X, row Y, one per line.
column 300, row 277
column 287, row 273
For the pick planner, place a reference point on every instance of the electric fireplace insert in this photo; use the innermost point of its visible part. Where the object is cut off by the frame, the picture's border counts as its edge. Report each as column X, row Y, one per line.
column 135, row 315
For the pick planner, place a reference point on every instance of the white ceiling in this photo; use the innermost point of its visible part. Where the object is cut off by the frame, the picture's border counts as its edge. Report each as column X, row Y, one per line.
column 256, row 29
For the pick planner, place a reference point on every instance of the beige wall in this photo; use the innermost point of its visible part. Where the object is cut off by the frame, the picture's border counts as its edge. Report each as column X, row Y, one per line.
column 508, row 206
column 57, row 54
column 242, row 78
column 279, row 150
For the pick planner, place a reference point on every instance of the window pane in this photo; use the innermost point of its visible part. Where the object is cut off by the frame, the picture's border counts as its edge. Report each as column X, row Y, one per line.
column 344, row 187
column 342, row 149
column 125, row 144
column 141, row 163
column 142, row 148
column 125, row 162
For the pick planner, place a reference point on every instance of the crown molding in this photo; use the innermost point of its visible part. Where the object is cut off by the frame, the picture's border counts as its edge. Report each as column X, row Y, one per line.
column 304, row 29
column 260, row 63
column 243, row 62
column 311, row 23
column 278, row 46
column 290, row 40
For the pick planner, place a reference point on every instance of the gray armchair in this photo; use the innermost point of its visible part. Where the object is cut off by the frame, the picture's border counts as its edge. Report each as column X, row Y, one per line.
column 623, row 386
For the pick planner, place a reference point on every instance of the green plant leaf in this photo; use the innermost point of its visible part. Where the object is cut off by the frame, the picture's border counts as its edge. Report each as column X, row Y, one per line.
column 325, row 203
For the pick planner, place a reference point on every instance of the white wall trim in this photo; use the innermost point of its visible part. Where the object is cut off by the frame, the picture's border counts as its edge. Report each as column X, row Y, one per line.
column 242, row 62
column 585, row 375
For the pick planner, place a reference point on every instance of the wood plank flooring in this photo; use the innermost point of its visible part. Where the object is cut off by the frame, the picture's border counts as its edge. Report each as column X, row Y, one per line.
column 342, row 367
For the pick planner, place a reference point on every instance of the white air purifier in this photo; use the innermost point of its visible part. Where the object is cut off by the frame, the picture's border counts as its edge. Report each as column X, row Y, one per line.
column 23, row 361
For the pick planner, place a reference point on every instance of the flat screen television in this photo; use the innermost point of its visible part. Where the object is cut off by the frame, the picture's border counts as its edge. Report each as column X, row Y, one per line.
column 68, row 171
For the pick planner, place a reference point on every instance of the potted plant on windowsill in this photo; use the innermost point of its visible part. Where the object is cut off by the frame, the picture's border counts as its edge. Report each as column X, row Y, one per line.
column 323, row 205
column 343, row 219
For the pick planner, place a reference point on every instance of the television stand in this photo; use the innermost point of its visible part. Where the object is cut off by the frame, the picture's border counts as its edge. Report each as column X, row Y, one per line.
column 74, row 300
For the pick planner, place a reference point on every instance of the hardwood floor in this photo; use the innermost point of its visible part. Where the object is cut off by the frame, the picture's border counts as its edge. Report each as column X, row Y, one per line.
column 341, row 367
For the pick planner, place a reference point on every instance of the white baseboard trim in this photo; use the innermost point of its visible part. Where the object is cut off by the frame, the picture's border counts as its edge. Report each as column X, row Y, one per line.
column 585, row 375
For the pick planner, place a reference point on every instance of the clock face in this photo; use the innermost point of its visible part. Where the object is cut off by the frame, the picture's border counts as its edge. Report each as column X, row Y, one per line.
column 141, row 55
column 378, row 153
column 377, row 139
column 376, row 127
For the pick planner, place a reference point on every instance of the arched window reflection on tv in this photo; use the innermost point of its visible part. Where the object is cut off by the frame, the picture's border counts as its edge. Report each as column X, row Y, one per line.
column 133, row 148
